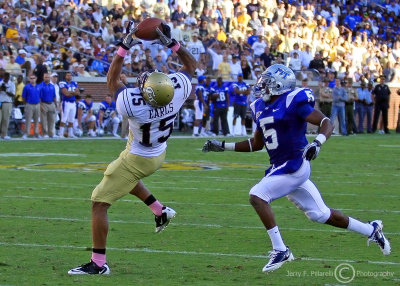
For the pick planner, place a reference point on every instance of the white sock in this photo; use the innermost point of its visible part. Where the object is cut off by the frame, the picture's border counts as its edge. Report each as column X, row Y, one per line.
column 244, row 129
column 115, row 128
column 276, row 239
column 196, row 130
column 61, row 131
column 70, row 131
column 360, row 227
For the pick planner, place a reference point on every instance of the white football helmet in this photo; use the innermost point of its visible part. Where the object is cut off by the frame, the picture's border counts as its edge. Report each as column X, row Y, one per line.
column 78, row 132
column 275, row 80
column 100, row 132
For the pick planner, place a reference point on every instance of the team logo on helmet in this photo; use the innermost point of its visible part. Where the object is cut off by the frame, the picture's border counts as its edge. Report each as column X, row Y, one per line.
column 275, row 80
column 157, row 88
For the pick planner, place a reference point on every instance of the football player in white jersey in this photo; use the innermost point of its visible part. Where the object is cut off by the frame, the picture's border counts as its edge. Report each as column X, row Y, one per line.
column 151, row 109
column 281, row 114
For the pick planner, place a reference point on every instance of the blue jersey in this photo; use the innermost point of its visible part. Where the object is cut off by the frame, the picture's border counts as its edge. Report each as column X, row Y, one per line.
column 70, row 86
column 284, row 127
column 240, row 99
column 107, row 108
column 82, row 104
column 223, row 93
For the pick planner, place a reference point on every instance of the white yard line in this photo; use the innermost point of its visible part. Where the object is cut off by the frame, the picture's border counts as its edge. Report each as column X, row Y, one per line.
column 191, row 253
column 184, row 224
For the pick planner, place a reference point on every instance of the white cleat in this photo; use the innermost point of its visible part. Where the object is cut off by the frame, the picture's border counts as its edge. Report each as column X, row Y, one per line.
column 277, row 259
column 378, row 237
column 163, row 220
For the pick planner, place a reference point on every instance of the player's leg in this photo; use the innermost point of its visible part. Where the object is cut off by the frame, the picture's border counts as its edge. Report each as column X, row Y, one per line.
column 243, row 119
column 308, row 199
column 163, row 214
column 115, row 125
column 198, row 115
column 64, row 117
column 270, row 188
column 71, row 118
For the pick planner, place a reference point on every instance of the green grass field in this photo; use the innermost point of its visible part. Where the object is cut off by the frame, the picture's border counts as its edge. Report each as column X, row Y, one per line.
column 216, row 238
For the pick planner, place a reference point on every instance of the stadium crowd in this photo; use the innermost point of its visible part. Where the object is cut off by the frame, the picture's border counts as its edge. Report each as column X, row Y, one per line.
column 350, row 41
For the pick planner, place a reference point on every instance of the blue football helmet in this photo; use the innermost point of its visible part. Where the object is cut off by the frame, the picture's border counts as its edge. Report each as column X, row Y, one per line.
column 275, row 80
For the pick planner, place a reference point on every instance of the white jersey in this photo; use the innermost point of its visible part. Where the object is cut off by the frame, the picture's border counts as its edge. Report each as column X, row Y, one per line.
column 152, row 126
column 196, row 49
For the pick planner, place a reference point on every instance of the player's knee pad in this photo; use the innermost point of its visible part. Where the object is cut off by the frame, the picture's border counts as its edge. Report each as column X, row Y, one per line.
column 92, row 118
column 320, row 216
column 115, row 120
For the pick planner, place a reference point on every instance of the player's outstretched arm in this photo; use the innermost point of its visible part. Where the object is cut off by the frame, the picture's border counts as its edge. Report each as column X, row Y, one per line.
column 326, row 128
column 113, row 76
column 252, row 144
column 189, row 62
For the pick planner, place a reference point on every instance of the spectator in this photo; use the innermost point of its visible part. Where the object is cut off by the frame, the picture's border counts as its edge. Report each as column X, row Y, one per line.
column 349, row 107
column 381, row 94
column 40, row 69
column 325, row 98
column 7, row 95
column 31, row 97
column 196, row 48
column 19, row 87
column 362, row 94
column 236, row 68
column 161, row 9
column 47, row 94
column 259, row 46
column 339, row 97
column 224, row 69
column 12, row 67
column 178, row 15
column 12, row 32
column 267, row 58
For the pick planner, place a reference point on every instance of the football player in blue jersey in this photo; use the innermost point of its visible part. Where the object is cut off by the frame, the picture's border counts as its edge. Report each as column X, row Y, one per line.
column 85, row 116
column 108, row 114
column 200, row 106
column 220, row 96
column 68, row 89
column 241, row 91
column 281, row 114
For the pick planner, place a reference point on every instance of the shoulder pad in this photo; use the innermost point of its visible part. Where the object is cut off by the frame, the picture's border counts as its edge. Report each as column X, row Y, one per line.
column 300, row 96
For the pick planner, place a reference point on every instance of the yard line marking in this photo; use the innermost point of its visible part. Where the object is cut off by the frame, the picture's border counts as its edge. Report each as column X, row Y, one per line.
column 185, row 224
column 39, row 154
column 187, row 203
column 148, row 250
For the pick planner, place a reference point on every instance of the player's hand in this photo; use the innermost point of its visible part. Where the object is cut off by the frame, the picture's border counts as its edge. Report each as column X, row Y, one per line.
column 311, row 150
column 165, row 36
column 130, row 39
column 214, row 146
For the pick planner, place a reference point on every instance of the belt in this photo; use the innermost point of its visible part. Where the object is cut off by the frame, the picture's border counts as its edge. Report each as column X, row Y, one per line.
column 50, row 102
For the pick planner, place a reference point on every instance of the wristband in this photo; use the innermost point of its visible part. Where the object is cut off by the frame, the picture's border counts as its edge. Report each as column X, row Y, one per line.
column 323, row 119
column 321, row 138
column 176, row 47
column 251, row 147
column 230, row 146
column 122, row 52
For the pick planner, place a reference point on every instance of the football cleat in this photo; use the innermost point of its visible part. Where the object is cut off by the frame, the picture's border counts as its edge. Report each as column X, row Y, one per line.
column 277, row 258
column 163, row 220
column 90, row 268
column 378, row 237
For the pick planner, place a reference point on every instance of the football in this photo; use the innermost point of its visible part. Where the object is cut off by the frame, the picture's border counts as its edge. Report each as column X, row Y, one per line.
column 147, row 29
